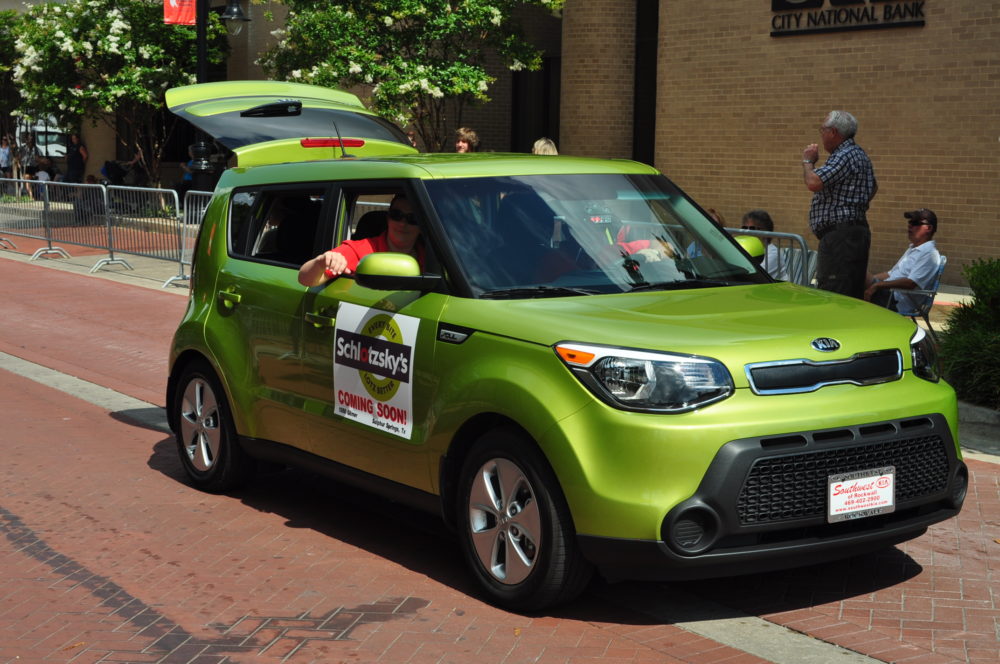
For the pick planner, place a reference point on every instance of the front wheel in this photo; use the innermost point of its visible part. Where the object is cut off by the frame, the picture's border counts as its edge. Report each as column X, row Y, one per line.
column 206, row 437
column 515, row 526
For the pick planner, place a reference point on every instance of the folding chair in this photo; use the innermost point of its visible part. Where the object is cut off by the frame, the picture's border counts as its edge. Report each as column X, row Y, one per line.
column 925, row 303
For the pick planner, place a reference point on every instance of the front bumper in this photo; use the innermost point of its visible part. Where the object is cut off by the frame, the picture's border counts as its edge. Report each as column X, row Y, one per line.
column 762, row 503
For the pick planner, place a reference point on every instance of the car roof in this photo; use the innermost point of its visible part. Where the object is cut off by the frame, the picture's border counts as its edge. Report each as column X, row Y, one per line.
column 437, row 166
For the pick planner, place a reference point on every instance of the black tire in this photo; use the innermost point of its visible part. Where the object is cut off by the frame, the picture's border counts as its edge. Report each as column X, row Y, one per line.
column 515, row 526
column 205, row 434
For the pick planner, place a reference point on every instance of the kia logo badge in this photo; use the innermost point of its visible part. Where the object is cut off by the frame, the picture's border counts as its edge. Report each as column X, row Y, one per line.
column 825, row 344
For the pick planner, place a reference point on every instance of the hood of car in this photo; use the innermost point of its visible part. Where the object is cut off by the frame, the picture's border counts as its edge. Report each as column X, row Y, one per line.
column 737, row 325
column 278, row 122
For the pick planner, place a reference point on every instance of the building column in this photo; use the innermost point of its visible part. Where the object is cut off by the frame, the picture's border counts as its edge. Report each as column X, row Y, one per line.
column 598, row 78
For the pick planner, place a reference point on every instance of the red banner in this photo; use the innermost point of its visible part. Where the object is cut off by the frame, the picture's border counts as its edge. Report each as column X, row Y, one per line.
column 180, row 12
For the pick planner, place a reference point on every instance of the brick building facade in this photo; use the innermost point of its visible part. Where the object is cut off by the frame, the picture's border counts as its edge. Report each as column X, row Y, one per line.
column 729, row 95
column 738, row 95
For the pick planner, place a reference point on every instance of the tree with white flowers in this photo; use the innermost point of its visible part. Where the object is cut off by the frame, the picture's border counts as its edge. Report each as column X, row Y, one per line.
column 9, row 99
column 108, row 61
column 423, row 60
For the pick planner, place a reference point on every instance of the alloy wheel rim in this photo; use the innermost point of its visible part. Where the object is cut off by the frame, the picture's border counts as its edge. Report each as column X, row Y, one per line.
column 199, row 425
column 504, row 521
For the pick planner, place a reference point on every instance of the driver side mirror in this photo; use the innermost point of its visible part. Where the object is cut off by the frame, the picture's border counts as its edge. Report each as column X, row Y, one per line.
column 390, row 271
column 753, row 246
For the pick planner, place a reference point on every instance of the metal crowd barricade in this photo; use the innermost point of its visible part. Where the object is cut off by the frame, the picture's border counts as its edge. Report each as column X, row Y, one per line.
column 195, row 204
column 24, row 212
column 120, row 220
column 143, row 222
column 792, row 260
column 78, row 214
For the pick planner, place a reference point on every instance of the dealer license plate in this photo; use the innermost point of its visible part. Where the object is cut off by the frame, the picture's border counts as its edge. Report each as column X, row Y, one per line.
column 861, row 494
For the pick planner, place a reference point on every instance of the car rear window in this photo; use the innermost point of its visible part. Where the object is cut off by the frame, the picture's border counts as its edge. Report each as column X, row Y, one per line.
column 234, row 131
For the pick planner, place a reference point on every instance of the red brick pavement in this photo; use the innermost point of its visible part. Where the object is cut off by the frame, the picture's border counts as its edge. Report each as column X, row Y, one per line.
column 106, row 555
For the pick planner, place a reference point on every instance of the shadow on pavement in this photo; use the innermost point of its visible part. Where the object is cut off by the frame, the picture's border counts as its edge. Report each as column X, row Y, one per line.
column 421, row 542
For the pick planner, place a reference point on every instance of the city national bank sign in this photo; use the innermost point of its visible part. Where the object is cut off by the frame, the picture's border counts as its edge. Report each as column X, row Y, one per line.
column 797, row 17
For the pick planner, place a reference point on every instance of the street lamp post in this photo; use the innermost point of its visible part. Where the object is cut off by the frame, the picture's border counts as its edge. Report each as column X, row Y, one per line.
column 234, row 19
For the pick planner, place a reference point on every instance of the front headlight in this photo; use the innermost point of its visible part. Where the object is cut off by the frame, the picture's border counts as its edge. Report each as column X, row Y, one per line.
column 647, row 381
column 925, row 356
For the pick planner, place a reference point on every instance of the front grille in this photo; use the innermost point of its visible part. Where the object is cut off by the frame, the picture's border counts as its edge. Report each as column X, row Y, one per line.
column 794, row 486
column 789, row 376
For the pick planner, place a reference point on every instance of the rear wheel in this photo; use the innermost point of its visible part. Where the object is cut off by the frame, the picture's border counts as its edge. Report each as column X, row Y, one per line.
column 206, row 437
column 515, row 526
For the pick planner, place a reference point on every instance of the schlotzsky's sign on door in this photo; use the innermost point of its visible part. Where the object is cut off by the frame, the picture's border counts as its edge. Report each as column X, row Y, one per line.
column 797, row 17
column 373, row 368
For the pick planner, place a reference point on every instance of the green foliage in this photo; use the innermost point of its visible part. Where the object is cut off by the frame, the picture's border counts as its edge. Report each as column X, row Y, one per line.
column 9, row 98
column 108, row 60
column 970, row 350
column 423, row 59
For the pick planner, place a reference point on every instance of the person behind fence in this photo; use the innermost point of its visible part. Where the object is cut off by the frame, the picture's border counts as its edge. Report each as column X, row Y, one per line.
column 76, row 159
column 760, row 220
column 842, row 187
column 187, row 180
column 402, row 236
column 43, row 174
column 27, row 156
column 916, row 268
column 6, row 158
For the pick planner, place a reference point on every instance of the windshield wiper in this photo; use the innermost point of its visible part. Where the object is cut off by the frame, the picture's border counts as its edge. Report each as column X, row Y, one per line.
column 685, row 284
column 535, row 291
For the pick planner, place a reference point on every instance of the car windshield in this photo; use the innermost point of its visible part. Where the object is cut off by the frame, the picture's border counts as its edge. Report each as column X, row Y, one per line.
column 563, row 235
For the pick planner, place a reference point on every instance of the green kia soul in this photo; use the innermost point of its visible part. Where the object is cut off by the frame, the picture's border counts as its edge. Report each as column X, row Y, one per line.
column 579, row 370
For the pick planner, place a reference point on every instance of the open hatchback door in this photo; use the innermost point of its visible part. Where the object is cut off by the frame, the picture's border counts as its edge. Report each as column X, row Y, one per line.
column 269, row 122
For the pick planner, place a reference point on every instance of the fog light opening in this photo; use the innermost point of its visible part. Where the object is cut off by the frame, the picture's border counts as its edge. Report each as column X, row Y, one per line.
column 694, row 530
column 959, row 487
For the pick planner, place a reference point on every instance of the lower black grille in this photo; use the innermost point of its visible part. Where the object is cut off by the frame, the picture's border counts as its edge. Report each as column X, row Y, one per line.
column 794, row 486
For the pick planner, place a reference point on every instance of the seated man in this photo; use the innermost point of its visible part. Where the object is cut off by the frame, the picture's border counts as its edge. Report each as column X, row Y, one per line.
column 915, row 269
column 401, row 236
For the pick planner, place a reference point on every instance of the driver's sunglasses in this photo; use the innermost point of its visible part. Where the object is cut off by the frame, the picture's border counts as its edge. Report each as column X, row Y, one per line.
column 408, row 217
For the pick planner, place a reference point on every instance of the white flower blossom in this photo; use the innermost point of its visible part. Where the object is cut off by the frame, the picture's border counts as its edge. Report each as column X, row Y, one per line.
column 497, row 17
column 353, row 67
column 296, row 73
column 517, row 65
column 388, row 21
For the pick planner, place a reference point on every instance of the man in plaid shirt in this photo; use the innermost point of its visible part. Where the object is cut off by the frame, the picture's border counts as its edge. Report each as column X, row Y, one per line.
column 842, row 189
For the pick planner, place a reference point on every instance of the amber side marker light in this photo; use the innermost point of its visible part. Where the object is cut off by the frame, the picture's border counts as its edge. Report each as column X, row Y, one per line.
column 574, row 356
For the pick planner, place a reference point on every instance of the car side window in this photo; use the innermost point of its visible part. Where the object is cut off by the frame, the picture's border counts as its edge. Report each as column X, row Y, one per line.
column 280, row 227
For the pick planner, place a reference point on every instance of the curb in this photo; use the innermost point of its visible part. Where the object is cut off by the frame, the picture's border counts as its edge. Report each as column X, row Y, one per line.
column 979, row 428
column 974, row 414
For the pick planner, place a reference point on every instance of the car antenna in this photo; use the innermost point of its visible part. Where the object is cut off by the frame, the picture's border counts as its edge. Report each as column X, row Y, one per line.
column 343, row 152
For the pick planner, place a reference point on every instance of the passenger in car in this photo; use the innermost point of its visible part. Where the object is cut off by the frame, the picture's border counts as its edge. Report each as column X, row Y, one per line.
column 402, row 236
